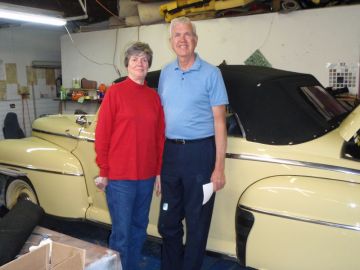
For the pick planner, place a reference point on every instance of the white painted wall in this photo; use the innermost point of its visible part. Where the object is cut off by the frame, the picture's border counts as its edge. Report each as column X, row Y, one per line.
column 22, row 45
column 303, row 41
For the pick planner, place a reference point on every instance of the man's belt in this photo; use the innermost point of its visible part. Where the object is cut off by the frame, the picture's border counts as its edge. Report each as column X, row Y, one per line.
column 183, row 141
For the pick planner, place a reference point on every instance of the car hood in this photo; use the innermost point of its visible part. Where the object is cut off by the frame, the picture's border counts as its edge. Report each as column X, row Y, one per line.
column 58, row 125
column 350, row 125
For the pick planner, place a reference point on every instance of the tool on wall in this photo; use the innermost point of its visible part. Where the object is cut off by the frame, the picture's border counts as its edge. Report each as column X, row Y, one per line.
column 23, row 91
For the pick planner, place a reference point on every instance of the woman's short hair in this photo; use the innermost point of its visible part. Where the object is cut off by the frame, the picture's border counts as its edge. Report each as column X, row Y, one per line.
column 182, row 20
column 137, row 48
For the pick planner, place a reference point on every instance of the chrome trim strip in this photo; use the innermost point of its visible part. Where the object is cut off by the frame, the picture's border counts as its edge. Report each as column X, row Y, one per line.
column 303, row 219
column 65, row 135
column 11, row 172
column 29, row 167
column 294, row 163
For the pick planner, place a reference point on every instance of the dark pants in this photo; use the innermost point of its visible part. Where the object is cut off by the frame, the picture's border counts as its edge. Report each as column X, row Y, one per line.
column 186, row 168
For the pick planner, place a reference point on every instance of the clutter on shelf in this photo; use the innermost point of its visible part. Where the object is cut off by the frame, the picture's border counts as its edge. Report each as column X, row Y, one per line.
column 83, row 90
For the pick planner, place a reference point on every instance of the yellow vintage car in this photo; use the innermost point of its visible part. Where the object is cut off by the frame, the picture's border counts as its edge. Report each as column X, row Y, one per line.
column 292, row 198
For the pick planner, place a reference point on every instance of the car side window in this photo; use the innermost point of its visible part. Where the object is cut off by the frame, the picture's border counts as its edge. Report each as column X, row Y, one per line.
column 351, row 149
column 233, row 125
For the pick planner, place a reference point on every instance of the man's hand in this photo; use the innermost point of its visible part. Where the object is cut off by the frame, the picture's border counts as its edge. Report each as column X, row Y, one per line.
column 218, row 179
column 158, row 186
column 101, row 182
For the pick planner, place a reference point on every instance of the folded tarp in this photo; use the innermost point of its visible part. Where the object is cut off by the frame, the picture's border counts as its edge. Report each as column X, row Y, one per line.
column 15, row 228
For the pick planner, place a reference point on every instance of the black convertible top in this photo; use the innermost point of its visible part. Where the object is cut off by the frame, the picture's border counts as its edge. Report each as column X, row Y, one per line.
column 271, row 105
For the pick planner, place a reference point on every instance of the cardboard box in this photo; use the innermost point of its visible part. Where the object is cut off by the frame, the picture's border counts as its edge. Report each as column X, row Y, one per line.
column 62, row 257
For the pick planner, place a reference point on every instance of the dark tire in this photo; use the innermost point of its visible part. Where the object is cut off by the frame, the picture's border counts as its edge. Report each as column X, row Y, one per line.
column 19, row 189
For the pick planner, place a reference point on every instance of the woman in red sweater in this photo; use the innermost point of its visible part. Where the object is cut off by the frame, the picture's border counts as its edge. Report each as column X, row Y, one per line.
column 129, row 142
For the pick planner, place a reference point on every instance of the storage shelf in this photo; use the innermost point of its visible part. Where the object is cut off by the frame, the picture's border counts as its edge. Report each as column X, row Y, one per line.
column 82, row 89
column 85, row 100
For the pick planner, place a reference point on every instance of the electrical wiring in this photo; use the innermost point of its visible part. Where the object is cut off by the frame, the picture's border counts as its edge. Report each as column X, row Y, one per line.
column 100, row 4
column 93, row 61
column 269, row 32
column 115, row 49
column 114, row 57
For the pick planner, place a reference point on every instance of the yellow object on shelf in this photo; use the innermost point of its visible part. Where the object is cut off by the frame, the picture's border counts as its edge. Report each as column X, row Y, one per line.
column 225, row 4
column 192, row 8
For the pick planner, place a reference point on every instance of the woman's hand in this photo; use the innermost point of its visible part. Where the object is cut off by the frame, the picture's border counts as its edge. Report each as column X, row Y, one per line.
column 101, row 182
column 157, row 186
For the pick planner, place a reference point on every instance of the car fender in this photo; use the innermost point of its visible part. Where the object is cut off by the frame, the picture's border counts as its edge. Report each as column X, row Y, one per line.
column 305, row 198
column 30, row 153
column 283, row 213
column 60, row 177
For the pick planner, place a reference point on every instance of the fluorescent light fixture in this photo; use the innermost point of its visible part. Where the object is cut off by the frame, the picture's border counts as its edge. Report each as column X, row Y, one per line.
column 36, row 15
column 21, row 16
column 46, row 64
column 30, row 14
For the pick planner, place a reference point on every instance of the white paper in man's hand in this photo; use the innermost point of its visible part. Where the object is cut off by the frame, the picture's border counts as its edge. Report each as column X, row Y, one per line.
column 208, row 190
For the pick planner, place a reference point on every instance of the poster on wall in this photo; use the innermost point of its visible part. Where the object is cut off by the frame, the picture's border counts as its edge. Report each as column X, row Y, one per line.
column 343, row 75
column 11, row 73
column 44, row 82
column 31, row 76
column 2, row 90
column 2, row 70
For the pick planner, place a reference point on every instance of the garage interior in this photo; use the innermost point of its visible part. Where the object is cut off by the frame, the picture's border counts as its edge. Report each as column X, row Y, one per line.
column 38, row 63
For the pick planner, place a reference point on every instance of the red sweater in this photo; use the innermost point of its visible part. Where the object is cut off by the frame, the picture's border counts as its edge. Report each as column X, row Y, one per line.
column 129, row 136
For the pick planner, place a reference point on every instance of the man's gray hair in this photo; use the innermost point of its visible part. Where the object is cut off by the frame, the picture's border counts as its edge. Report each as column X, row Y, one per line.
column 182, row 20
column 137, row 48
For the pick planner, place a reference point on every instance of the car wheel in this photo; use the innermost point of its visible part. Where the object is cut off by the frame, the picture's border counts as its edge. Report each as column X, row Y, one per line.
column 19, row 189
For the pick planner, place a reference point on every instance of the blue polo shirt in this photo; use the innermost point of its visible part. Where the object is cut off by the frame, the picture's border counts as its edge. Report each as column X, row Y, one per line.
column 188, row 98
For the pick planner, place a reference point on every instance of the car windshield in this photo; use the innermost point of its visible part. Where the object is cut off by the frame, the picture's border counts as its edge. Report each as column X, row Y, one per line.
column 323, row 102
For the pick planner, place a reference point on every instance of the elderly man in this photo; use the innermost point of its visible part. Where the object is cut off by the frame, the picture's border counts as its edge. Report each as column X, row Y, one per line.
column 193, row 95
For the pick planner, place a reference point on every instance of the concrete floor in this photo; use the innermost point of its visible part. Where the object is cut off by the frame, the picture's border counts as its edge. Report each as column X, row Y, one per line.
column 151, row 250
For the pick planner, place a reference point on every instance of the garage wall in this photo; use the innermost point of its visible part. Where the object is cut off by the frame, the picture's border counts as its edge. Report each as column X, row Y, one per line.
column 22, row 45
column 303, row 41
